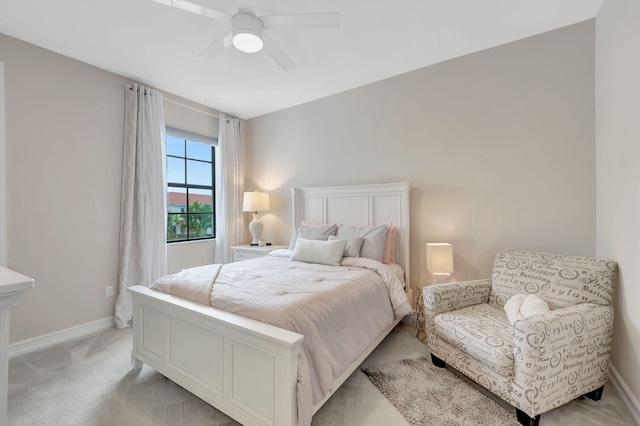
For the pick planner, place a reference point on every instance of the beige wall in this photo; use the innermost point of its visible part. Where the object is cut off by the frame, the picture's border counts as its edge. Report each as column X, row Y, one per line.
column 3, row 175
column 498, row 147
column 64, row 127
column 618, row 173
column 184, row 114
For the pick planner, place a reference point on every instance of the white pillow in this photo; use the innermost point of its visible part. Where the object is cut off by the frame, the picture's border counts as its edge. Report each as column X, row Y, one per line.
column 308, row 236
column 354, row 244
column 374, row 238
column 524, row 306
column 322, row 252
column 311, row 232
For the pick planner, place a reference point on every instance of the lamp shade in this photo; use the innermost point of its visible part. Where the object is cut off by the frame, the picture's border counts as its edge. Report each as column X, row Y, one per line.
column 255, row 202
column 439, row 258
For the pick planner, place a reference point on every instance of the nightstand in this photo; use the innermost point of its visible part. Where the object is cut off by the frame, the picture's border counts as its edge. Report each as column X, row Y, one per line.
column 421, row 332
column 252, row 252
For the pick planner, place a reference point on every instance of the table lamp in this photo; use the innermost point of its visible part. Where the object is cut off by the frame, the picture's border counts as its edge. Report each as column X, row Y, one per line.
column 440, row 262
column 255, row 202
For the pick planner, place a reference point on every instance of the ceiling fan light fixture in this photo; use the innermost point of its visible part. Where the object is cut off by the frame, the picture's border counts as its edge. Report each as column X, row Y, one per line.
column 247, row 42
column 247, row 33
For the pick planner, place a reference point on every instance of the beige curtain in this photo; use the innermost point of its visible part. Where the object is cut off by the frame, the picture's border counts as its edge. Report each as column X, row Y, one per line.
column 143, row 208
column 229, row 187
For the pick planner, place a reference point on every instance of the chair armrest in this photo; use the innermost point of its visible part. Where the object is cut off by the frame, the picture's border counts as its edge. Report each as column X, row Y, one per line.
column 439, row 298
column 560, row 356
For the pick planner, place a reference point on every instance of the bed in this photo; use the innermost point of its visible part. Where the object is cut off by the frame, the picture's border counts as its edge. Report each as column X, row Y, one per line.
column 246, row 368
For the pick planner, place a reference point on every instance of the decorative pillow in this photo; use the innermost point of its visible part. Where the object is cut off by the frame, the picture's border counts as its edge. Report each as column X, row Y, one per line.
column 309, row 236
column 393, row 246
column 322, row 252
column 374, row 238
column 389, row 255
column 354, row 244
column 310, row 232
column 524, row 306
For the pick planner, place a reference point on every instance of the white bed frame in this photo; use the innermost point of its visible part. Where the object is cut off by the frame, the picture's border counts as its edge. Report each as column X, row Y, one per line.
column 245, row 368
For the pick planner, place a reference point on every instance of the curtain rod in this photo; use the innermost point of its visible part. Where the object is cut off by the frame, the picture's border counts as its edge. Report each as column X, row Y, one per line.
column 130, row 87
column 164, row 98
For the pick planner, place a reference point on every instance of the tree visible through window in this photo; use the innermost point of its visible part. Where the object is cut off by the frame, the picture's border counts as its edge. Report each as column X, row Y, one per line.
column 190, row 186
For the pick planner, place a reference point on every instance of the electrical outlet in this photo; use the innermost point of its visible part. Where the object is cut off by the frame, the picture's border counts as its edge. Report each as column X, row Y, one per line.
column 109, row 291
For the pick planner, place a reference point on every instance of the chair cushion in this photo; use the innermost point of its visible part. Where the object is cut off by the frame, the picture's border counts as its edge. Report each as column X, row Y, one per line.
column 483, row 332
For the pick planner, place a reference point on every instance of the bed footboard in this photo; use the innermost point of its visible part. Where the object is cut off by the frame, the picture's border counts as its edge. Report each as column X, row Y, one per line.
column 244, row 368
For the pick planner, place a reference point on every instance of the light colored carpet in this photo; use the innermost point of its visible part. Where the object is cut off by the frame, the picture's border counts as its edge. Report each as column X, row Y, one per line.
column 445, row 400
column 89, row 382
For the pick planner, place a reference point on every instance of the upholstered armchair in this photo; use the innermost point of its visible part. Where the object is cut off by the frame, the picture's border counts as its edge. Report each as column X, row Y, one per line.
column 538, row 363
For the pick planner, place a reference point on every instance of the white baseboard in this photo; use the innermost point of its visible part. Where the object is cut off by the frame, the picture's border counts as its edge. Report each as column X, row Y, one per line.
column 630, row 401
column 34, row 344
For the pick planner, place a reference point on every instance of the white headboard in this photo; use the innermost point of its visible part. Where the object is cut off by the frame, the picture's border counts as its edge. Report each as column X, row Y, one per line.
column 359, row 205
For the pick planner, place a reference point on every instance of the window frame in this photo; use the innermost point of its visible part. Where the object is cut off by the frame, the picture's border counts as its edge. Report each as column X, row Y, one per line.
column 194, row 137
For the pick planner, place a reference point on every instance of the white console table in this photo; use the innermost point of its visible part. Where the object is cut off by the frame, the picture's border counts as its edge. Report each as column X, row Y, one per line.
column 12, row 285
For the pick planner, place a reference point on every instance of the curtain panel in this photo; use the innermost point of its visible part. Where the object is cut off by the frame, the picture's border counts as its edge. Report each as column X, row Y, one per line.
column 229, row 187
column 143, row 207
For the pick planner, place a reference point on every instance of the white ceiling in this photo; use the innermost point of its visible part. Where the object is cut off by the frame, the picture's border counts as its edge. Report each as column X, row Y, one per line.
column 158, row 45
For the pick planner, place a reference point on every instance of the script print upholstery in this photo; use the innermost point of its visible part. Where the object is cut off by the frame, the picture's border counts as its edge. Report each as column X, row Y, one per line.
column 475, row 370
column 557, row 356
column 481, row 331
column 560, row 281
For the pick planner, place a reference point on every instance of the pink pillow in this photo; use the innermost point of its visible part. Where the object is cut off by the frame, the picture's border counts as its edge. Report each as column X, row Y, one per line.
column 393, row 246
column 389, row 255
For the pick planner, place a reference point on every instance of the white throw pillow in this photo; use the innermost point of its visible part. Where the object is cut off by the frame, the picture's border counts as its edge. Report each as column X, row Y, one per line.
column 524, row 306
column 374, row 239
column 533, row 306
column 354, row 244
column 311, row 232
column 322, row 252
column 512, row 307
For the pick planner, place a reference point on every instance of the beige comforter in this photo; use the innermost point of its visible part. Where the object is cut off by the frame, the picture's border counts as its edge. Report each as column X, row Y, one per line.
column 340, row 310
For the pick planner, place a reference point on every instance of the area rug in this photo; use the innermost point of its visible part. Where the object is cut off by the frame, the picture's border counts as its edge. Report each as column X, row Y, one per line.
column 427, row 395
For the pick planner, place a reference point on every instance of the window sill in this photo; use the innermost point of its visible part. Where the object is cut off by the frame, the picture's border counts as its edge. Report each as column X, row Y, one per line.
column 177, row 243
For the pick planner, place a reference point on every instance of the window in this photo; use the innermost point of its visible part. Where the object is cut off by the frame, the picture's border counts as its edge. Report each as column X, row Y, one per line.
column 190, row 186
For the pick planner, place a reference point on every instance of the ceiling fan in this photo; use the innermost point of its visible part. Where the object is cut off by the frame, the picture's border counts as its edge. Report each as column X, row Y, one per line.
column 247, row 32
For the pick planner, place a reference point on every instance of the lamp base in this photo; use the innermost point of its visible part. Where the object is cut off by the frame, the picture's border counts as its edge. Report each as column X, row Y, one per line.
column 255, row 227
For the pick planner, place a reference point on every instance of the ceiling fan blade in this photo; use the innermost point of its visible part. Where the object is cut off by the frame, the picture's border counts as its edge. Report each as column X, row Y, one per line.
column 217, row 47
column 308, row 20
column 217, row 9
column 277, row 54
